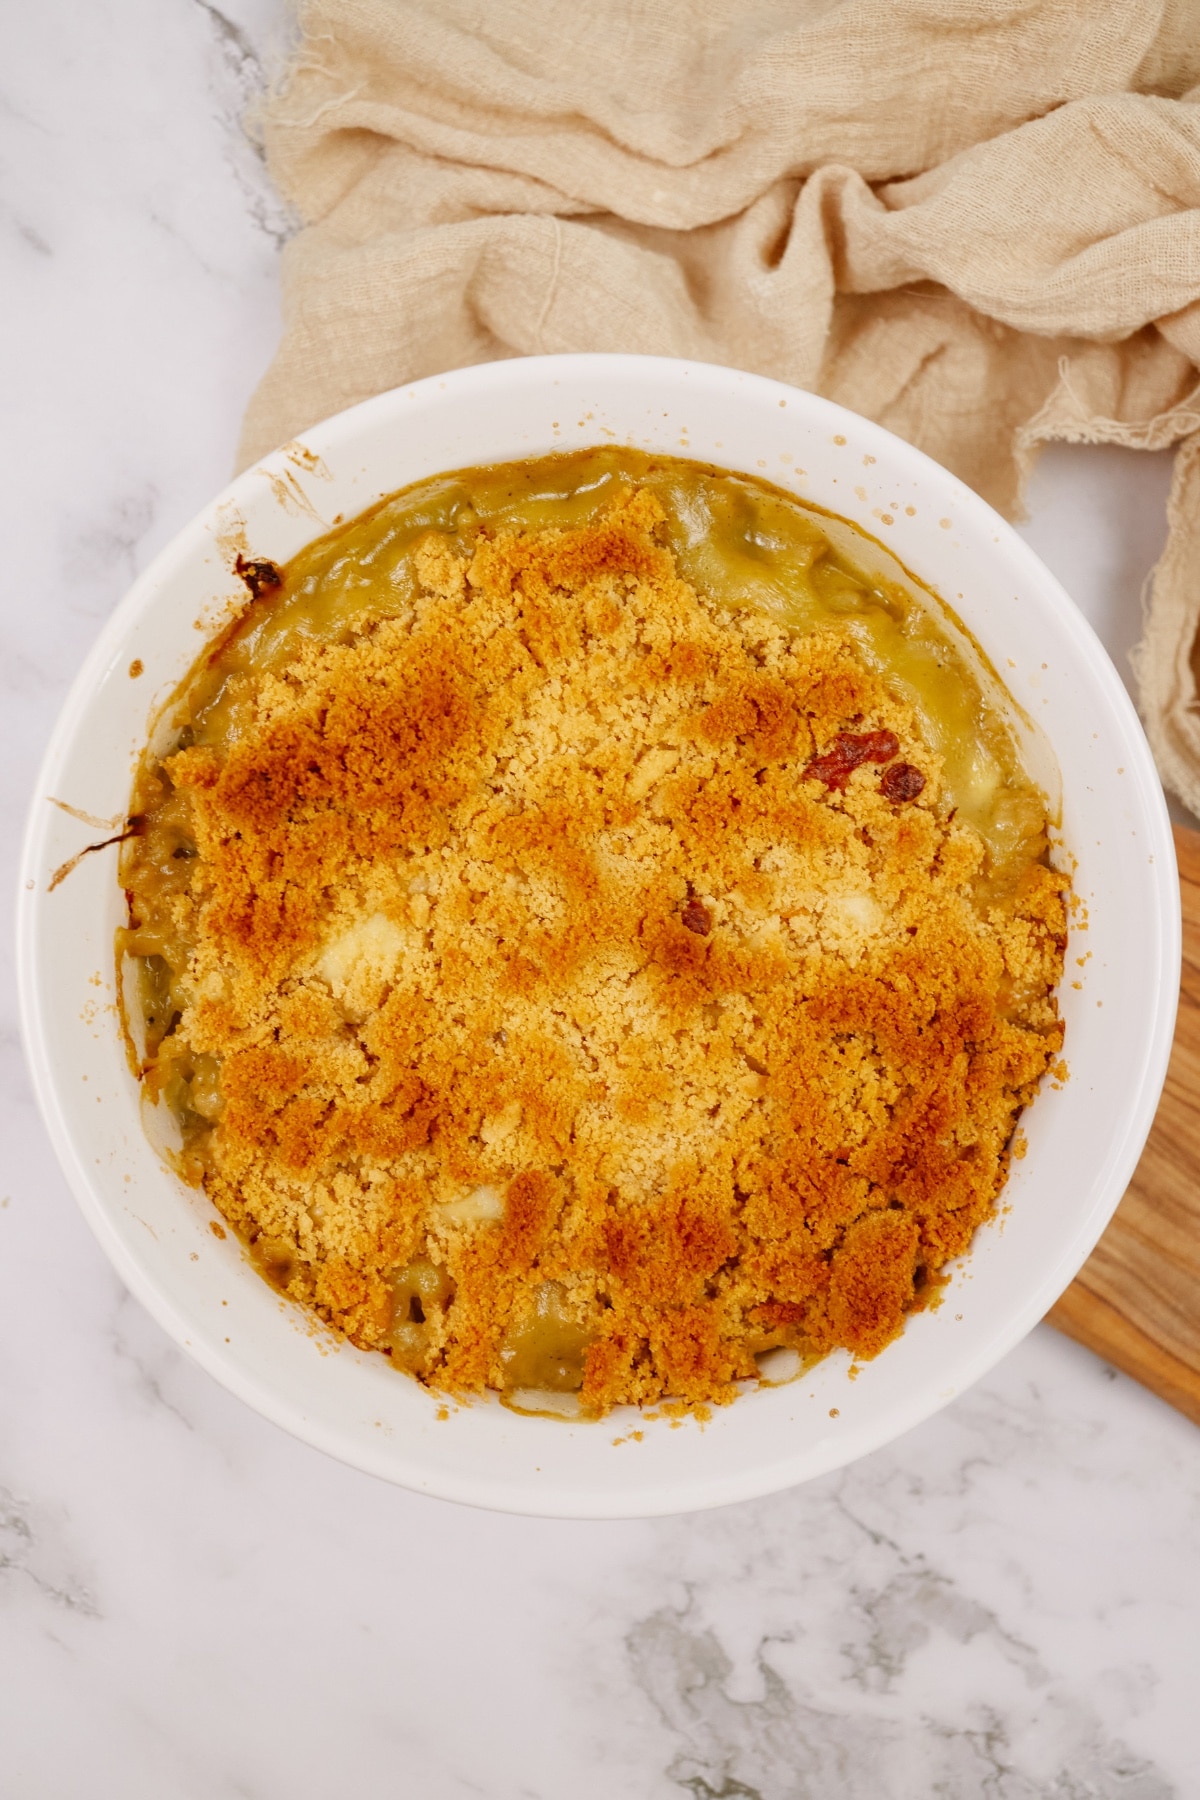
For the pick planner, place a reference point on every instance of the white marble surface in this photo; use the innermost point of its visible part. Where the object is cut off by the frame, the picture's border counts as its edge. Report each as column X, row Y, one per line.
column 192, row 1606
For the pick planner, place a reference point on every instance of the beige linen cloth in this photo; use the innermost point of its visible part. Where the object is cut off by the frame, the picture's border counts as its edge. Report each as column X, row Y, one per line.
column 976, row 221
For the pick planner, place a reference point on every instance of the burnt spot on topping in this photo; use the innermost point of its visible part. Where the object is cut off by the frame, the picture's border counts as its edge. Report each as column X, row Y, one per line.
column 901, row 782
column 260, row 575
column 850, row 750
column 696, row 917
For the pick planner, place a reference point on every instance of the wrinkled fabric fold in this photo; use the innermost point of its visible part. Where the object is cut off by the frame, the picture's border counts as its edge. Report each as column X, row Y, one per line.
column 976, row 221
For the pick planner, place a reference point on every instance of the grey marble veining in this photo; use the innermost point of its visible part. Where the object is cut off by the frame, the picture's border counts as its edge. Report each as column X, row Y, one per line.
column 193, row 1606
column 911, row 1633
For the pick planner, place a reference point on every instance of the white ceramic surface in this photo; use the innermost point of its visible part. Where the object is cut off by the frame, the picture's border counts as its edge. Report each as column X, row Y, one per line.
column 1084, row 1137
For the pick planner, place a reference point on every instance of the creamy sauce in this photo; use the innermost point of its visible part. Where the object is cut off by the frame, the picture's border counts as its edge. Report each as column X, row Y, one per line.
column 736, row 538
column 733, row 536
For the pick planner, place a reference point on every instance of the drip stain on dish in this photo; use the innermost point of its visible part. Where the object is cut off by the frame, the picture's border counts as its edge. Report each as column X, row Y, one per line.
column 589, row 933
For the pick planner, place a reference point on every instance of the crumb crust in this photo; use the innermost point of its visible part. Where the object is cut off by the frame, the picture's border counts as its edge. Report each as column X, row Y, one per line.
column 533, row 946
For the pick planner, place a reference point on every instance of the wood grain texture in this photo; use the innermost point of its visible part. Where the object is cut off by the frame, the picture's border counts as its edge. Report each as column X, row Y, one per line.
column 1136, row 1301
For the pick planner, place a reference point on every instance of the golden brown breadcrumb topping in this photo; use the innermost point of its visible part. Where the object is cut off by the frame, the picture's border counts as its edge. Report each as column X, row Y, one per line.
column 564, row 1006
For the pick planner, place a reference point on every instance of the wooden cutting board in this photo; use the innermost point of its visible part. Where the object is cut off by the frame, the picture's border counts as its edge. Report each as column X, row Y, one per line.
column 1136, row 1301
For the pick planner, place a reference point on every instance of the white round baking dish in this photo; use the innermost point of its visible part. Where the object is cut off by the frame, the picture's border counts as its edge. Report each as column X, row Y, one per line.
column 1084, row 1135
